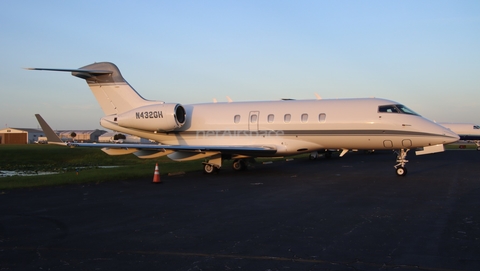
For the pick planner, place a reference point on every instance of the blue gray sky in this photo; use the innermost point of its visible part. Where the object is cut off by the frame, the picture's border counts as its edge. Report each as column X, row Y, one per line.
column 424, row 54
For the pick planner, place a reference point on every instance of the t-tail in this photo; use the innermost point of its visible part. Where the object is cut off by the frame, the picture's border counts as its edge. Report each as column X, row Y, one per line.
column 111, row 90
column 121, row 104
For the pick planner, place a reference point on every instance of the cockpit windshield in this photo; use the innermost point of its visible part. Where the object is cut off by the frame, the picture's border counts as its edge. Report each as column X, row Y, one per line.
column 396, row 108
column 476, row 126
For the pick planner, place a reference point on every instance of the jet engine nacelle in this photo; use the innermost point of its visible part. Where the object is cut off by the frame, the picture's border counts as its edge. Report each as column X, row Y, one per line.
column 156, row 117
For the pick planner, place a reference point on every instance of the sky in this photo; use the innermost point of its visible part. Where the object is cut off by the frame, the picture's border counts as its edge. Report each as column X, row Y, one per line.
column 423, row 54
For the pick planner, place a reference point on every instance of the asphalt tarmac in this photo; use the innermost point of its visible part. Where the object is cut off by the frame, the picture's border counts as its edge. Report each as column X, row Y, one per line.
column 349, row 213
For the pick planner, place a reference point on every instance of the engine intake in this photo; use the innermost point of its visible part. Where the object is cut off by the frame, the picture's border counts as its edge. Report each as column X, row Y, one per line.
column 157, row 117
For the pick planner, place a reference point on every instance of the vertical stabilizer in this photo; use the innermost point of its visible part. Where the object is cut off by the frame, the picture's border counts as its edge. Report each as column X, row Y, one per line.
column 111, row 90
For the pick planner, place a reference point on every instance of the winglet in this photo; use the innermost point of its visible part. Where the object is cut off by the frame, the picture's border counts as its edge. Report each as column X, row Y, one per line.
column 52, row 138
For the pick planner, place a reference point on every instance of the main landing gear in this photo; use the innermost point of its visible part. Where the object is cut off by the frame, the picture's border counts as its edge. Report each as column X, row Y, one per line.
column 214, row 164
column 314, row 155
column 210, row 168
column 240, row 164
column 400, row 168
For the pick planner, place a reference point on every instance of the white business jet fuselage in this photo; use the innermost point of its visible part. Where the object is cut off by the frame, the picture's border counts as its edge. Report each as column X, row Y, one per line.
column 241, row 130
column 466, row 131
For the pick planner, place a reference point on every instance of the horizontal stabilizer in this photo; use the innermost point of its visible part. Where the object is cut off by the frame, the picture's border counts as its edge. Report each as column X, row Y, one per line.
column 71, row 70
column 431, row 149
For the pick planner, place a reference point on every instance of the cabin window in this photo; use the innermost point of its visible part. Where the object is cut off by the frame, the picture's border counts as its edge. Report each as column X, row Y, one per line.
column 322, row 117
column 236, row 119
column 253, row 118
column 270, row 118
column 287, row 118
column 304, row 118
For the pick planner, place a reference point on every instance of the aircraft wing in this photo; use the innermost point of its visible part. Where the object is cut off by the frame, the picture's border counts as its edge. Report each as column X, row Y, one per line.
column 253, row 150
column 154, row 150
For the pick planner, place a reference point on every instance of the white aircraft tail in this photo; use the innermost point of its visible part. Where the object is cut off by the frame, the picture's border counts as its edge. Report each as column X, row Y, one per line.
column 111, row 90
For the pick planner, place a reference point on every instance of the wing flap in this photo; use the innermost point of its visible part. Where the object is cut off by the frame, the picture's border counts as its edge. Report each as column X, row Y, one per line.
column 118, row 151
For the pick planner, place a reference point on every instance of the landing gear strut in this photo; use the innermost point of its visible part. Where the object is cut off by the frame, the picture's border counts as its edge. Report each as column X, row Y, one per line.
column 400, row 168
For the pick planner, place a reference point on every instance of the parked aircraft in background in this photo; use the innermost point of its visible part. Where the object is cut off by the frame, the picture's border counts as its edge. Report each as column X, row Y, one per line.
column 466, row 131
column 245, row 130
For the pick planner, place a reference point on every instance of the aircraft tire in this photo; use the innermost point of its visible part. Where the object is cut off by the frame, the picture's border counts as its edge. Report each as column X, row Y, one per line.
column 401, row 171
column 209, row 168
column 239, row 165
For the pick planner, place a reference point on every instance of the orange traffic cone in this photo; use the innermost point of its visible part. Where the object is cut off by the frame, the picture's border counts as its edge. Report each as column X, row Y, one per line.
column 156, row 175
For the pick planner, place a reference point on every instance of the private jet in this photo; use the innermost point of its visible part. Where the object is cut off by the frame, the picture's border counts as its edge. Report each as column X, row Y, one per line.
column 466, row 131
column 242, row 131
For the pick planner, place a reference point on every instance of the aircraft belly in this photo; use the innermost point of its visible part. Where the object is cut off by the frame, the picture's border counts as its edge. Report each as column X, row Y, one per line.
column 310, row 143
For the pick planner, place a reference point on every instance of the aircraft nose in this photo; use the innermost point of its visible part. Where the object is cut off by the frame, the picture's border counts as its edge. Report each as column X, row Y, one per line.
column 449, row 135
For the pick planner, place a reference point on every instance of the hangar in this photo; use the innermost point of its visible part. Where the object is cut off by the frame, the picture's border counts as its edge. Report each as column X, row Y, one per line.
column 80, row 135
column 20, row 135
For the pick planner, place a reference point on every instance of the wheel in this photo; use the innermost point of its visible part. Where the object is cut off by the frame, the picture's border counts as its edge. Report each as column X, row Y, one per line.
column 239, row 165
column 478, row 148
column 328, row 154
column 313, row 156
column 401, row 171
column 209, row 168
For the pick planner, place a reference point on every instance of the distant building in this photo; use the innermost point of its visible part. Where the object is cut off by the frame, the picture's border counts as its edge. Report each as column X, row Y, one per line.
column 80, row 135
column 30, row 136
column 20, row 135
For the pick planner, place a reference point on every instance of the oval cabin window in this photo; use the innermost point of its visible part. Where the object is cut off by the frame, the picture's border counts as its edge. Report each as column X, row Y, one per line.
column 236, row 119
column 304, row 118
column 322, row 117
column 270, row 118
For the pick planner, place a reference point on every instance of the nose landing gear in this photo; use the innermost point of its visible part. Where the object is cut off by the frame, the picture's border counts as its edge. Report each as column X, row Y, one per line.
column 400, row 168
